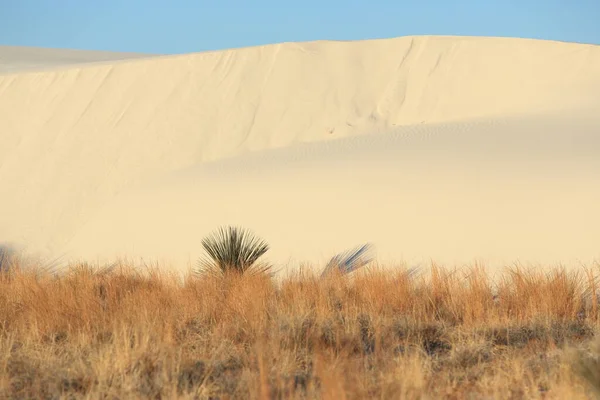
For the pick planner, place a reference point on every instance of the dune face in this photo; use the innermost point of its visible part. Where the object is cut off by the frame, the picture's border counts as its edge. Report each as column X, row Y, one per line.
column 446, row 147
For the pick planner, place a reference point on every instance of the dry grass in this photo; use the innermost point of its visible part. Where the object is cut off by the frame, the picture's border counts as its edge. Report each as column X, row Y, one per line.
column 373, row 335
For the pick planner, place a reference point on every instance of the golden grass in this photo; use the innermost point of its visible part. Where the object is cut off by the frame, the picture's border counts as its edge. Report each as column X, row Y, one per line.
column 376, row 334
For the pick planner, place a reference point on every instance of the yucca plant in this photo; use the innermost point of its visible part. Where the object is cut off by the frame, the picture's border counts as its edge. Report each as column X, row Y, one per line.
column 349, row 260
column 233, row 250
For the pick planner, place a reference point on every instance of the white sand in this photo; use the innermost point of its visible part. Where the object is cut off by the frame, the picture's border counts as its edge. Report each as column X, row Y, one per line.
column 445, row 147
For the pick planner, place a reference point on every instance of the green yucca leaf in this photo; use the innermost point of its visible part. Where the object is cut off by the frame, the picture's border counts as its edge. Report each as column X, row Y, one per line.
column 349, row 260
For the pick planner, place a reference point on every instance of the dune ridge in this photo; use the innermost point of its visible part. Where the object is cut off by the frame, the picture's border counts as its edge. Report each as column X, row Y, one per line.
column 77, row 138
column 17, row 59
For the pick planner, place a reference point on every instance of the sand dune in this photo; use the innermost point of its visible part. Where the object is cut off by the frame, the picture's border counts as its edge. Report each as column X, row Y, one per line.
column 449, row 147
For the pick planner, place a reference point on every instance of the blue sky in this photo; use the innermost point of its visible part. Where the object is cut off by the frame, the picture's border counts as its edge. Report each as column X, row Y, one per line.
column 180, row 26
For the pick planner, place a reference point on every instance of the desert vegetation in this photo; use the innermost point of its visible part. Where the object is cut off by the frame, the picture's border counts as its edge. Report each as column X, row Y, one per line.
column 377, row 333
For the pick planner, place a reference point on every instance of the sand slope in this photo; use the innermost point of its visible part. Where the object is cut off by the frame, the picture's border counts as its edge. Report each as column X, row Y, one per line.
column 520, row 190
column 77, row 140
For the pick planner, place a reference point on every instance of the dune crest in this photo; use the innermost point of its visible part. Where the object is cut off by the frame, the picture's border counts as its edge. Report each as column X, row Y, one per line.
column 15, row 59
